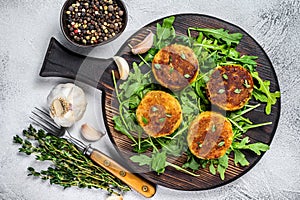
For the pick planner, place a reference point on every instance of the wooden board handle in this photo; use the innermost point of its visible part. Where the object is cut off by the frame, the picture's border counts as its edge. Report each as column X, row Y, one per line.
column 137, row 183
column 62, row 62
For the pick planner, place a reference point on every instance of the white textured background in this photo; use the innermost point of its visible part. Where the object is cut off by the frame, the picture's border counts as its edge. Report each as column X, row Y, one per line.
column 25, row 29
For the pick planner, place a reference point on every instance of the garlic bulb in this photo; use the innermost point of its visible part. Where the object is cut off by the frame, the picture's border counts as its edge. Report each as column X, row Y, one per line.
column 67, row 104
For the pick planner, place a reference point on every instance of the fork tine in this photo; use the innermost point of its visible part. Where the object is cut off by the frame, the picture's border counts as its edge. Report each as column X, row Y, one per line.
column 48, row 122
column 41, row 125
column 44, row 112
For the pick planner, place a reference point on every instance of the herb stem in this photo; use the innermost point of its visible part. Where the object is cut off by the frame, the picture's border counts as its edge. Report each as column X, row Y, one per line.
column 179, row 132
column 115, row 84
column 144, row 61
column 236, row 124
column 181, row 169
column 245, row 111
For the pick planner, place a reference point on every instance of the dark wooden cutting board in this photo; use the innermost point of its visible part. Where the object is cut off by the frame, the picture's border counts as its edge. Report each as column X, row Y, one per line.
column 62, row 62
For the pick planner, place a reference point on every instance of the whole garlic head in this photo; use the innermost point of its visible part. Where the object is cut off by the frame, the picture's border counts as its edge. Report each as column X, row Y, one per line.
column 67, row 104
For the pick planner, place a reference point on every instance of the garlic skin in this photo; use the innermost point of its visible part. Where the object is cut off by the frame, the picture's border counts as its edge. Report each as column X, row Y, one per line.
column 123, row 67
column 67, row 104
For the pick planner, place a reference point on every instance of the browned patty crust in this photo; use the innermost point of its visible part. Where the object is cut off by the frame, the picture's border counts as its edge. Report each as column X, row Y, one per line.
column 209, row 135
column 175, row 66
column 230, row 87
column 159, row 113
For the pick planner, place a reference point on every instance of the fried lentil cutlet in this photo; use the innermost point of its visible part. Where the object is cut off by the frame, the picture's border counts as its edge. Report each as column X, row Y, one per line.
column 230, row 87
column 209, row 135
column 175, row 66
column 159, row 113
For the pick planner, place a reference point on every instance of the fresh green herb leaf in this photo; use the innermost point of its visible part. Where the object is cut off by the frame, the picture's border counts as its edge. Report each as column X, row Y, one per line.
column 168, row 115
column 258, row 147
column 141, row 159
column 237, row 91
column 264, row 90
column 145, row 120
column 199, row 144
column 182, row 55
column 192, row 164
column 240, row 158
column 157, row 66
column 161, row 120
column 171, row 70
column 221, row 34
column 168, row 22
column 212, row 168
column 187, row 76
column 255, row 147
column 213, row 128
column 222, row 166
column 225, row 76
column 246, row 84
column 120, row 127
column 246, row 59
column 158, row 162
column 221, row 91
column 154, row 108
column 221, row 143
column 165, row 33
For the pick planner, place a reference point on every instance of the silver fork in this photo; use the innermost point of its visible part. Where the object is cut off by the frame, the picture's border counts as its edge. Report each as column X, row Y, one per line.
column 144, row 187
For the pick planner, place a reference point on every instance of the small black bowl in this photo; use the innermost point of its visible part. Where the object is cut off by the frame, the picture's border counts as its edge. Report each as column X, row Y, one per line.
column 66, row 32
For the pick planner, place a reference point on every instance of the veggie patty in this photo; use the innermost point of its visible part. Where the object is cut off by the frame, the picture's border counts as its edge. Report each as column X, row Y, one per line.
column 230, row 87
column 175, row 66
column 159, row 113
column 209, row 135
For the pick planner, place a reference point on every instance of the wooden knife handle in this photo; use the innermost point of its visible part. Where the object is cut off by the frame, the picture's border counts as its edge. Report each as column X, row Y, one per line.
column 137, row 183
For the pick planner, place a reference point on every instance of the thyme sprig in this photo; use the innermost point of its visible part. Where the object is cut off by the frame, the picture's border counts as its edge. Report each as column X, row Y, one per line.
column 70, row 166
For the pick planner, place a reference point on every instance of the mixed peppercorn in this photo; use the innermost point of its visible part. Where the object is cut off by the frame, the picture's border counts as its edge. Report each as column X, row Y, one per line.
column 90, row 22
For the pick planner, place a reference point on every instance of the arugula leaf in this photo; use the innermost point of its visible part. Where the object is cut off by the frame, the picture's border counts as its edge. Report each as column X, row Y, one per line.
column 246, row 59
column 168, row 22
column 165, row 33
column 158, row 162
column 120, row 127
column 255, row 147
column 258, row 147
column 265, row 95
column 141, row 159
column 240, row 158
column 222, row 166
column 212, row 168
column 142, row 147
column 192, row 164
column 221, row 34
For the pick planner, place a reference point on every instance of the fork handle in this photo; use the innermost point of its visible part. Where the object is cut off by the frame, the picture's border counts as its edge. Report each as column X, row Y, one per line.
column 137, row 183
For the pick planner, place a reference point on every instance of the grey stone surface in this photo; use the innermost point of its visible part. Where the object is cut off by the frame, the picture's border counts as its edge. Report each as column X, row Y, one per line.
column 25, row 29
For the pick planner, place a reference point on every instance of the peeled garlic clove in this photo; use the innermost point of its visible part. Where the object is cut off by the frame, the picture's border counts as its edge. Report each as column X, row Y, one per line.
column 144, row 45
column 89, row 133
column 114, row 197
column 123, row 67
column 67, row 104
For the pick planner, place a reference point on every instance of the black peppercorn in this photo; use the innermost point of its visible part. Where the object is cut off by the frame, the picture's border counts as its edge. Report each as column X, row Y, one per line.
column 93, row 21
